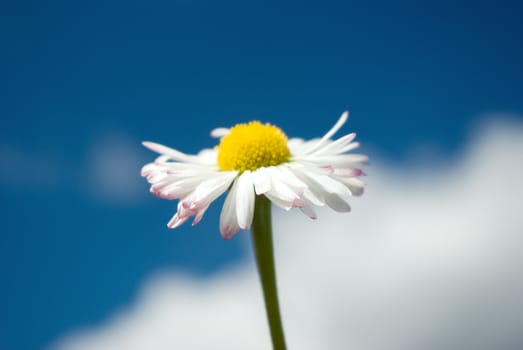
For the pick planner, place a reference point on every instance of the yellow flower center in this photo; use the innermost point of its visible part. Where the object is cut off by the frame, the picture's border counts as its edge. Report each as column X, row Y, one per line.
column 251, row 146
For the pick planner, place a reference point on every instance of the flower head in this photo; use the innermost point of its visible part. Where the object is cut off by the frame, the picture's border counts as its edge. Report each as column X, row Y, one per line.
column 256, row 159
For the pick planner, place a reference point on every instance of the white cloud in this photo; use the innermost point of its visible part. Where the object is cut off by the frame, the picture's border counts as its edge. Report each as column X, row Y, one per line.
column 110, row 172
column 113, row 169
column 430, row 258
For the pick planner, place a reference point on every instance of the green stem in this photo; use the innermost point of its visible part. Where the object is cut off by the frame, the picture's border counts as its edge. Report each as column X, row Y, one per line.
column 262, row 240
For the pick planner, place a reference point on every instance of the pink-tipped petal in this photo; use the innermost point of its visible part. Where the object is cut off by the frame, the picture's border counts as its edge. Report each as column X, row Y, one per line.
column 147, row 169
column 309, row 211
column 348, row 172
column 199, row 216
column 176, row 221
column 355, row 185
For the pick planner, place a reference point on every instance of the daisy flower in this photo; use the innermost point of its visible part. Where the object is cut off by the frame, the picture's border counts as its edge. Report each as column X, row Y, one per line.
column 257, row 164
column 256, row 159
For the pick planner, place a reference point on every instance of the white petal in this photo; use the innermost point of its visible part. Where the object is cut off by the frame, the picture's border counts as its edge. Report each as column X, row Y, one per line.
column 156, row 177
column 355, row 185
column 336, row 161
column 328, row 184
column 354, row 159
column 287, row 176
column 220, row 132
column 210, row 189
column 148, row 168
column 185, row 212
column 349, row 147
column 348, row 172
column 295, row 144
column 172, row 181
column 354, row 181
column 189, row 170
column 161, row 159
column 335, row 146
column 245, row 200
column 202, row 158
column 261, row 180
column 313, row 192
column 336, row 202
column 343, row 118
column 303, row 148
column 286, row 205
column 172, row 153
column 207, row 156
column 314, row 196
column 177, row 185
column 173, row 193
column 228, row 221
column 281, row 193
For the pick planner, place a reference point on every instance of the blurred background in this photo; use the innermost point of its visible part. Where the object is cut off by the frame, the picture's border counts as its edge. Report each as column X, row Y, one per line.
column 429, row 258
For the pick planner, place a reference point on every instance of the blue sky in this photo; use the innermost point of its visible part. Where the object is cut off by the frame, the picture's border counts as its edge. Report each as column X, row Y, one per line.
column 83, row 83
